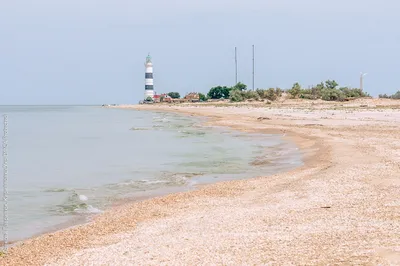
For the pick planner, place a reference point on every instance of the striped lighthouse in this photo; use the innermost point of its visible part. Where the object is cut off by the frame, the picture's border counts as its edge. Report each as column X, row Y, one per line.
column 149, row 86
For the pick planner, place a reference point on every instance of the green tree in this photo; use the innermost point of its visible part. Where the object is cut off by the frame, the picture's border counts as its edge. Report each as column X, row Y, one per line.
column 219, row 92
column 149, row 99
column 331, row 84
column 295, row 90
column 202, row 97
column 240, row 86
column 174, row 95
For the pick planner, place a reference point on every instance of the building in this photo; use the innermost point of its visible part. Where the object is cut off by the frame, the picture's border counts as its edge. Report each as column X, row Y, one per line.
column 149, row 86
column 156, row 98
column 192, row 97
column 165, row 98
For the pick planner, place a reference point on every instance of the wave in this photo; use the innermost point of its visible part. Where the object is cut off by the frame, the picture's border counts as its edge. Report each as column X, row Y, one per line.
column 76, row 204
column 164, row 180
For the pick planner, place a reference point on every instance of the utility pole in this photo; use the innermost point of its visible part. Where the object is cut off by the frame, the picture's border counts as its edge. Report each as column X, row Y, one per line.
column 236, row 67
column 253, row 67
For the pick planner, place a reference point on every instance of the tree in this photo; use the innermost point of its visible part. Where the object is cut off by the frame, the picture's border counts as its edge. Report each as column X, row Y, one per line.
column 295, row 90
column 202, row 97
column 396, row 95
column 219, row 92
column 149, row 99
column 331, row 84
column 240, row 86
column 174, row 95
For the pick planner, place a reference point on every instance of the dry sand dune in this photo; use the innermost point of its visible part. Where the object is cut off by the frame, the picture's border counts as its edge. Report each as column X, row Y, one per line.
column 341, row 207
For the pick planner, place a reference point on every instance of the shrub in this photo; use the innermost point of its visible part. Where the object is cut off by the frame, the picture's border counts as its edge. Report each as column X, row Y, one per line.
column 251, row 95
column 202, row 97
column 270, row 94
column 236, row 96
column 278, row 92
column 306, row 94
column 295, row 90
column 332, row 95
column 239, row 96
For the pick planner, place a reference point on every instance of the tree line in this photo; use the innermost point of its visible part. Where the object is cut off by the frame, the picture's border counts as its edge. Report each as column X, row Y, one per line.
column 394, row 96
column 327, row 91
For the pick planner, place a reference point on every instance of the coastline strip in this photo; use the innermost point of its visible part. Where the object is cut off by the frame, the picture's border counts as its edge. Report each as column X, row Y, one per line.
column 328, row 211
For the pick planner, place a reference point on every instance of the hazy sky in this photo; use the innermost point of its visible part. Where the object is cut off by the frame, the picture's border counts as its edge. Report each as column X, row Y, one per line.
column 93, row 51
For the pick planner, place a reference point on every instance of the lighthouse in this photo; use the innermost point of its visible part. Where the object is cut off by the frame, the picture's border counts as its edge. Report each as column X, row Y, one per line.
column 149, row 86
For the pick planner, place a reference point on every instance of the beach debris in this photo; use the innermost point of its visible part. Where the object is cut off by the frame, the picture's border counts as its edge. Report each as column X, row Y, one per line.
column 261, row 118
column 325, row 207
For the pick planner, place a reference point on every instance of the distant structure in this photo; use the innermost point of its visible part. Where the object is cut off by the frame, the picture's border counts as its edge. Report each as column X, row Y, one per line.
column 362, row 81
column 149, row 86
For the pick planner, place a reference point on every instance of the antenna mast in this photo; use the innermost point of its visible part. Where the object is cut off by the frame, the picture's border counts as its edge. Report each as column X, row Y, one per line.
column 253, row 67
column 236, row 67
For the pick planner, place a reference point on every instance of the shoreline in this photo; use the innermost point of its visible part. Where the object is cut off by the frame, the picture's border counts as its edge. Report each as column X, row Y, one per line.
column 78, row 220
column 319, row 157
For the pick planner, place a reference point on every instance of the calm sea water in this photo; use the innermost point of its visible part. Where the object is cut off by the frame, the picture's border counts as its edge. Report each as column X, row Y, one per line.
column 67, row 163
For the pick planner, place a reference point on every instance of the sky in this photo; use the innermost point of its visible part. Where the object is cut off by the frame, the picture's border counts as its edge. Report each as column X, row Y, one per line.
column 93, row 51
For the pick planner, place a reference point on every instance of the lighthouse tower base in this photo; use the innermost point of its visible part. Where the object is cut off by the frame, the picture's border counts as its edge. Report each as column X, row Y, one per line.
column 148, row 93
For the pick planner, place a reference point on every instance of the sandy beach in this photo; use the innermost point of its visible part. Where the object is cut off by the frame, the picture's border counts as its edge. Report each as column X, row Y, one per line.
column 342, row 207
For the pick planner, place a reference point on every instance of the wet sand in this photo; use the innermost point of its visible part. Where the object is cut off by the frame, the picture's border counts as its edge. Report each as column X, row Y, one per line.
column 341, row 207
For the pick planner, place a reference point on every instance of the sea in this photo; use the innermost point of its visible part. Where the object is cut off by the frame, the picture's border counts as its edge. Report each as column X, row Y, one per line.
column 66, row 164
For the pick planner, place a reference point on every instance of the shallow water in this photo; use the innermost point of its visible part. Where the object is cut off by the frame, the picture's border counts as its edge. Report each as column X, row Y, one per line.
column 68, row 162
